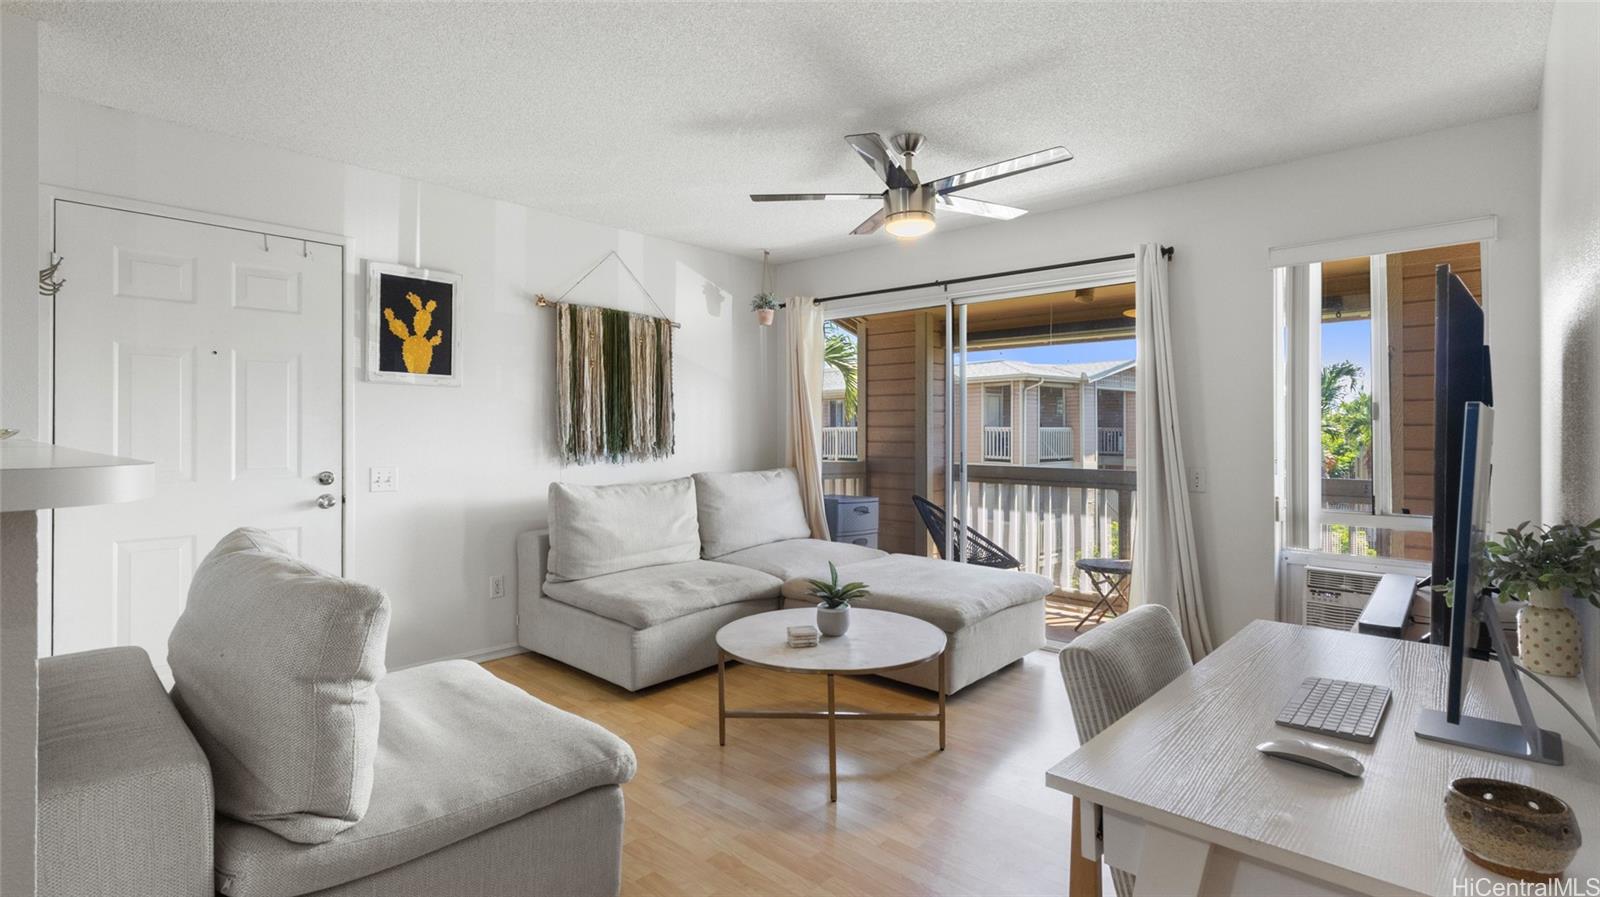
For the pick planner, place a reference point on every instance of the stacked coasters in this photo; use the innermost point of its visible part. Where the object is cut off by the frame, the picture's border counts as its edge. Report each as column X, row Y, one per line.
column 803, row 636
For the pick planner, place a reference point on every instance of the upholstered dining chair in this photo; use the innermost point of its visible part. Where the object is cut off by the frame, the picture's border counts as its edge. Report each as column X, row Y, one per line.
column 1112, row 669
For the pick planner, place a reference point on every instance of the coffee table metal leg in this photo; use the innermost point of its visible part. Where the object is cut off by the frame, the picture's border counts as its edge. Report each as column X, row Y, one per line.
column 833, row 756
column 942, row 686
column 722, row 698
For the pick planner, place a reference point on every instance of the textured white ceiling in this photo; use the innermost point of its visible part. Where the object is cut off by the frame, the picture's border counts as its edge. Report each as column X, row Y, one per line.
column 662, row 117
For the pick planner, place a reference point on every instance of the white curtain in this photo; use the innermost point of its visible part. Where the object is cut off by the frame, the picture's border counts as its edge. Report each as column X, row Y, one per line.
column 1166, row 567
column 804, row 323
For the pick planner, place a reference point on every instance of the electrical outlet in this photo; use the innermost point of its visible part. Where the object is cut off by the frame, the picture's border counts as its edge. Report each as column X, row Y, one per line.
column 1197, row 479
column 497, row 588
column 384, row 479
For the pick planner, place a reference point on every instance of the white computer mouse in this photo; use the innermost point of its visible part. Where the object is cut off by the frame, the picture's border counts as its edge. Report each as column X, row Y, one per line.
column 1314, row 754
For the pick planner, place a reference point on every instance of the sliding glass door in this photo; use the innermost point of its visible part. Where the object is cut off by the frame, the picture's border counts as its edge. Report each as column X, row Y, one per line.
column 1042, row 445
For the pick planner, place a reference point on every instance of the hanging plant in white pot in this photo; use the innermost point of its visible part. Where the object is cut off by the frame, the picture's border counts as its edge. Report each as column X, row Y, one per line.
column 765, row 303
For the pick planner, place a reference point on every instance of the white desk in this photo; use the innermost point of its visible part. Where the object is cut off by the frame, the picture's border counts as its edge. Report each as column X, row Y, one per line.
column 1190, row 807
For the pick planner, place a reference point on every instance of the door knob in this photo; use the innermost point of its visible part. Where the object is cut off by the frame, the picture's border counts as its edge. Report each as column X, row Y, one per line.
column 326, row 500
column 325, row 478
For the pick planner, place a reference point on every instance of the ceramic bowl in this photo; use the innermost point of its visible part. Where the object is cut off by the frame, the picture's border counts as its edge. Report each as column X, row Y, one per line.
column 1512, row 829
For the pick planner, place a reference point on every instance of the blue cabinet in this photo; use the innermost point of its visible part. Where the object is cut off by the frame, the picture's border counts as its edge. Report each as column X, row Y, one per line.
column 853, row 519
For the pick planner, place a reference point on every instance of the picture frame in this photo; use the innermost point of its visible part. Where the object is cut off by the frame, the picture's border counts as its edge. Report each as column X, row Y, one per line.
column 401, row 301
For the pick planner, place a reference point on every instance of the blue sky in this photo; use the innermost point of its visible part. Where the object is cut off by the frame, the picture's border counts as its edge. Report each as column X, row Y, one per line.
column 1349, row 341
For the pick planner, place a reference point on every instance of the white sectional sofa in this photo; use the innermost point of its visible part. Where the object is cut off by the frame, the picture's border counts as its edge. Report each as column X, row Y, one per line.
column 635, row 579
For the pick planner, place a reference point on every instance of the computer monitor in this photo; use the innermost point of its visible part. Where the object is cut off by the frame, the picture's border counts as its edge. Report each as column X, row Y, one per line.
column 1460, row 375
column 1523, row 739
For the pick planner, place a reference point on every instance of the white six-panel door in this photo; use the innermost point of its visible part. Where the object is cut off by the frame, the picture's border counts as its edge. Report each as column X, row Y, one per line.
column 215, row 353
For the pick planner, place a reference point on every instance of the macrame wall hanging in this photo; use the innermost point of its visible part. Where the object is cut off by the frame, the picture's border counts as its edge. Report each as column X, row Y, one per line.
column 613, row 380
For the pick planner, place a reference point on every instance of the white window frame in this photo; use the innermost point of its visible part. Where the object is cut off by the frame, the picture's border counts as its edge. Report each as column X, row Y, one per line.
column 1297, row 295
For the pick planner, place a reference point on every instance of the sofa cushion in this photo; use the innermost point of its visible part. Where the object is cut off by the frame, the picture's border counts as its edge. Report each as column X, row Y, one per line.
column 595, row 530
column 274, row 664
column 459, row 752
column 742, row 510
column 793, row 558
column 645, row 597
column 949, row 595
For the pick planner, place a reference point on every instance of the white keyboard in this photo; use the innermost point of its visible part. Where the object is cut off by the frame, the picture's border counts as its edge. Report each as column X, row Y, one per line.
column 1336, row 708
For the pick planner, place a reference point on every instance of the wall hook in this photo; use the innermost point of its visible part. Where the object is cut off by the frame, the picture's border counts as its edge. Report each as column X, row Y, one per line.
column 48, row 284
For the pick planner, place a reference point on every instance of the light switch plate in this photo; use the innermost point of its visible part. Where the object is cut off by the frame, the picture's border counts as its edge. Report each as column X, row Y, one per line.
column 384, row 479
column 497, row 587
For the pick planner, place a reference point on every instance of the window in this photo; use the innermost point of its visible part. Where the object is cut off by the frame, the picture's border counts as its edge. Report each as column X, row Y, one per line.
column 1052, row 407
column 1366, row 410
column 997, row 406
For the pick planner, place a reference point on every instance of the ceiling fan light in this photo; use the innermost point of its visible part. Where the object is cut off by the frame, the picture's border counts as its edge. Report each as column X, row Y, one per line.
column 909, row 223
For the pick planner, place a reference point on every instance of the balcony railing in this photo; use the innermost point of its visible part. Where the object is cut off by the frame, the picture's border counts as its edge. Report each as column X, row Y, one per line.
column 844, row 477
column 839, row 443
column 1048, row 517
column 1055, row 443
column 1113, row 440
column 997, row 443
column 1051, row 517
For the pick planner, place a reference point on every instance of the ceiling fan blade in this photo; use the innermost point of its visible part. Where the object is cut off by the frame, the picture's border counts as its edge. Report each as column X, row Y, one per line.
column 872, row 224
column 1030, row 162
column 978, row 207
column 875, row 153
column 800, row 197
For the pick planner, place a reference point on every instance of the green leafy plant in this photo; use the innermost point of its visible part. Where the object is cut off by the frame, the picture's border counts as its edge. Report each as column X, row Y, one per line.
column 763, row 301
column 1346, row 422
column 1528, row 558
column 839, row 353
column 832, row 593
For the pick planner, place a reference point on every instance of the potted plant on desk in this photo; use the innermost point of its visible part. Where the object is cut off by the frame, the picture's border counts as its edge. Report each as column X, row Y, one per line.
column 833, row 614
column 1542, row 565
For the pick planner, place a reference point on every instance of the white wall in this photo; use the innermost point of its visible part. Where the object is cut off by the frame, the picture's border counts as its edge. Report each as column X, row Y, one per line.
column 1222, row 292
column 1569, row 264
column 475, row 462
column 19, row 341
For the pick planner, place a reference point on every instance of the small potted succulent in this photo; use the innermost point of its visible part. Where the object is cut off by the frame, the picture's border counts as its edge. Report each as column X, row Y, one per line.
column 1542, row 565
column 765, row 305
column 833, row 613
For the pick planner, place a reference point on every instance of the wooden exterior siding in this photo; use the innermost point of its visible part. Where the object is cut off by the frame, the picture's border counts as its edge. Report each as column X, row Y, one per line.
column 903, row 359
column 1411, row 335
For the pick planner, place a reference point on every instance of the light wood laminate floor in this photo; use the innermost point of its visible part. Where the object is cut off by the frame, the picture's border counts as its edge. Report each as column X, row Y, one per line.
column 754, row 817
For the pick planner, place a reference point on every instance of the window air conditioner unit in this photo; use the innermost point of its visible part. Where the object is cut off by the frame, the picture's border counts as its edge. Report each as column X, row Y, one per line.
column 1334, row 599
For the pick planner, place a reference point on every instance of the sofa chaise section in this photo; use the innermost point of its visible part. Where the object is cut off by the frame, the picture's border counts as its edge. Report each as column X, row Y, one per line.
column 478, row 789
column 993, row 617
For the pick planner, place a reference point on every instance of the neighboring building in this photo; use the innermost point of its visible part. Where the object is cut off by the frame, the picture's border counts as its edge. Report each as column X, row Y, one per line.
column 839, row 433
column 1057, row 415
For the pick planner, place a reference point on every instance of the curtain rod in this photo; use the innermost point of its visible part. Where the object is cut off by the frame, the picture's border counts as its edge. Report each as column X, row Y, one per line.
column 1166, row 252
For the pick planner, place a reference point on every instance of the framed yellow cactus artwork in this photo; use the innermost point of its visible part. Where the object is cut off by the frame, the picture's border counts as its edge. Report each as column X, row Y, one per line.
column 413, row 325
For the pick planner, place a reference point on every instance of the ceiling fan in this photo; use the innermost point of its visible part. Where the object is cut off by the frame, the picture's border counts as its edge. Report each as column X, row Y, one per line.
column 908, row 203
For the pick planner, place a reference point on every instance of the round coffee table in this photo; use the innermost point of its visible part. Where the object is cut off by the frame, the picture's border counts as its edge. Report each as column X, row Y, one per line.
column 877, row 641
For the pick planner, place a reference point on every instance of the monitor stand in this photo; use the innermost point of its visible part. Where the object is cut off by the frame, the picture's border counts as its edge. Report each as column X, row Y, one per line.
column 1523, row 739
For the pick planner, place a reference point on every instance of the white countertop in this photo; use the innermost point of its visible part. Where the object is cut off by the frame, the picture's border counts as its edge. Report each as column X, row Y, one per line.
column 39, row 475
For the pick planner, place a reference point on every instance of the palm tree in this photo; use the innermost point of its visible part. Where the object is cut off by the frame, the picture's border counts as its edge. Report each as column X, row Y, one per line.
column 839, row 353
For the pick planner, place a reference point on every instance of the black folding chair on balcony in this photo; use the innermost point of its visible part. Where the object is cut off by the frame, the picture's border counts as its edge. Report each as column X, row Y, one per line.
column 979, row 549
